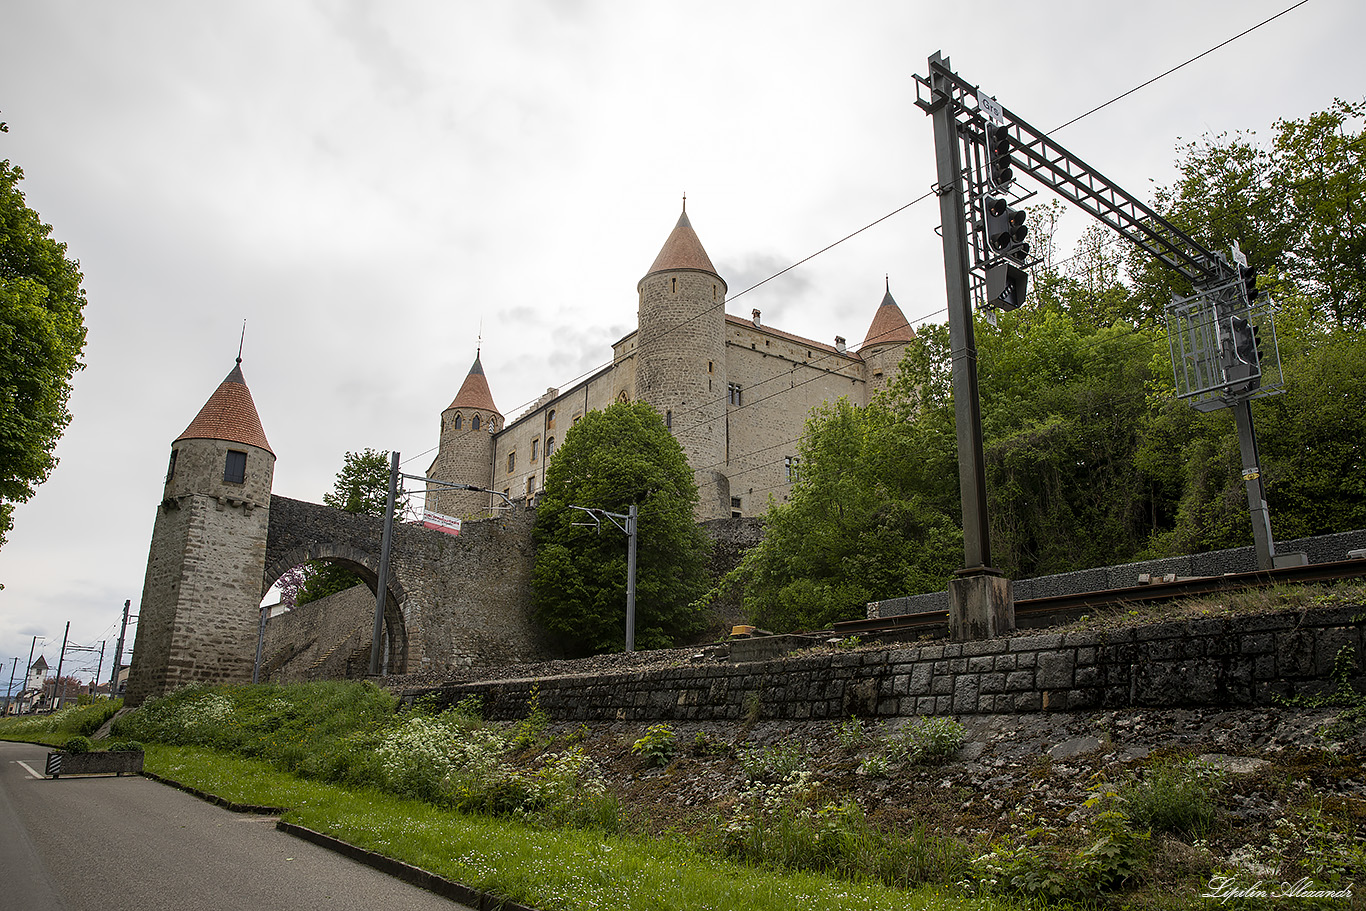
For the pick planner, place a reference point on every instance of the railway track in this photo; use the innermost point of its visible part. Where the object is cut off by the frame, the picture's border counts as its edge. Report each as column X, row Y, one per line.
column 1040, row 613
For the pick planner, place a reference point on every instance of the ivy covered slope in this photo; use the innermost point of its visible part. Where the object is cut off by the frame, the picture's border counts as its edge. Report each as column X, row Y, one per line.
column 1090, row 459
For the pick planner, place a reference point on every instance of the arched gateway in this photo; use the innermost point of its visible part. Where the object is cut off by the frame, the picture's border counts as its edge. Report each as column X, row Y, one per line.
column 222, row 539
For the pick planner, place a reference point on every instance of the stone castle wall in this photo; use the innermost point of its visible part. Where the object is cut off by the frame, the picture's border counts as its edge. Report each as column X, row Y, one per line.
column 1225, row 662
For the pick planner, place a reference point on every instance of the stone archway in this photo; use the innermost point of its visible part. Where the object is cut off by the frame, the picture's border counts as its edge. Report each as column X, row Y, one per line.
column 365, row 565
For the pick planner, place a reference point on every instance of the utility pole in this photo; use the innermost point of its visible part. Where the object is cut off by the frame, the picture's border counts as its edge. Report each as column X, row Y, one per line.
column 58, row 681
column 981, row 604
column 14, row 666
column 630, row 528
column 118, row 652
column 28, row 668
column 94, row 681
column 382, row 583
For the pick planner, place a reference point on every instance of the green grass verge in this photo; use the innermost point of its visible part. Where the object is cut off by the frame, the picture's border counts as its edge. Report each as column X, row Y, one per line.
column 551, row 869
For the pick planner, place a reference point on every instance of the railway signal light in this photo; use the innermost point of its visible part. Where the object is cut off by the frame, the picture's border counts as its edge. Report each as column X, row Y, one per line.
column 1006, row 228
column 1007, row 285
column 1000, row 174
column 1249, row 277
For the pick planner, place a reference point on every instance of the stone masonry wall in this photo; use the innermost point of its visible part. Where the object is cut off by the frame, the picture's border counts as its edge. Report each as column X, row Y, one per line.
column 1216, row 663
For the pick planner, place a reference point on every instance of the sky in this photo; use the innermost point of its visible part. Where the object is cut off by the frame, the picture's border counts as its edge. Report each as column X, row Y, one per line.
column 379, row 188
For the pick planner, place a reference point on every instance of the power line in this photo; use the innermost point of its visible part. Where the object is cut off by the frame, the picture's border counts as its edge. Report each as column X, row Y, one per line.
column 1178, row 66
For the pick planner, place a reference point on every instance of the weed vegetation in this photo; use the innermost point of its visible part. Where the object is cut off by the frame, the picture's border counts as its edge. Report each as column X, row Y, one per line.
column 525, row 810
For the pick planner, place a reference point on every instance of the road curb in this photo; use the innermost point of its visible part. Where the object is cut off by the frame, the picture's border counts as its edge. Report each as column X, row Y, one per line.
column 415, row 876
column 226, row 804
column 446, row 888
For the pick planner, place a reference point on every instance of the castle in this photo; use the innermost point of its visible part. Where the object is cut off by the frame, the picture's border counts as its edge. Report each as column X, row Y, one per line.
column 735, row 392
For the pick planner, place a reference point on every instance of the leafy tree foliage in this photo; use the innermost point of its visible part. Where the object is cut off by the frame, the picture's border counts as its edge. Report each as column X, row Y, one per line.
column 1090, row 459
column 609, row 460
column 42, row 334
column 362, row 487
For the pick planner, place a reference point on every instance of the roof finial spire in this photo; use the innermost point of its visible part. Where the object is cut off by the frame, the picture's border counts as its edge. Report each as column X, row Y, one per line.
column 888, row 278
column 479, row 339
column 685, row 202
column 240, row 342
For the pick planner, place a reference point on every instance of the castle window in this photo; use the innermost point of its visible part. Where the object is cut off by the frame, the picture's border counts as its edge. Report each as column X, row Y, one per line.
column 713, row 292
column 235, row 471
column 674, row 282
column 790, row 466
column 550, row 423
column 474, row 424
column 170, row 469
column 623, row 397
column 549, row 446
column 711, row 367
column 530, row 486
column 458, row 422
column 535, row 448
column 735, row 512
column 668, row 420
column 512, row 460
column 734, row 393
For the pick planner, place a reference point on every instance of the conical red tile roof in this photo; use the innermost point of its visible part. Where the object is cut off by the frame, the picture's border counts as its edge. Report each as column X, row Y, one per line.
column 474, row 392
column 229, row 415
column 889, row 325
column 682, row 250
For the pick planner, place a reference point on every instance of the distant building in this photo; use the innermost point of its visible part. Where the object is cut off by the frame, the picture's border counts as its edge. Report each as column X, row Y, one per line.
column 734, row 391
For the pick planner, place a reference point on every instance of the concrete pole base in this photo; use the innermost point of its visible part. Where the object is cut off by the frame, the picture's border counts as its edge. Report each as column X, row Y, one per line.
column 981, row 604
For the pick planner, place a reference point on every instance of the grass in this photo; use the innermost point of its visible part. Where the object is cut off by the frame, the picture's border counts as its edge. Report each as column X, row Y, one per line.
column 60, row 726
column 552, row 869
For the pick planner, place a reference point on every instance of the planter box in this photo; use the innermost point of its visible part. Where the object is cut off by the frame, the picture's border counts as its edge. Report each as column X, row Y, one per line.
column 59, row 763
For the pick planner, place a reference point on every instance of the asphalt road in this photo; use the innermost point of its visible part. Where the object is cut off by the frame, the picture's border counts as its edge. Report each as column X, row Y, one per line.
column 105, row 843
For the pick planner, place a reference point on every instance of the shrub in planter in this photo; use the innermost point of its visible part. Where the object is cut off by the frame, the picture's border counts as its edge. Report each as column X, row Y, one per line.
column 125, row 746
column 78, row 745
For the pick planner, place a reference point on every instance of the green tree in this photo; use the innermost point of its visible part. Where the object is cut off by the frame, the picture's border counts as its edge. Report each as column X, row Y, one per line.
column 871, row 516
column 361, row 487
column 42, row 334
column 610, row 460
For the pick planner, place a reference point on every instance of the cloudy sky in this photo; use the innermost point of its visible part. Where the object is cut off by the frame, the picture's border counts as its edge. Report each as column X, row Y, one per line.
column 368, row 184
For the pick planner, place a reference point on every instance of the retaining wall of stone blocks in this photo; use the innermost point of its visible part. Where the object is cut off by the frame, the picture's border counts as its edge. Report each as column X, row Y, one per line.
column 1222, row 662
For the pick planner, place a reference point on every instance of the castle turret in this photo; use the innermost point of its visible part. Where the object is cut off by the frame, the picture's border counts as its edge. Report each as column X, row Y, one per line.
column 201, row 597
column 681, row 358
column 885, row 343
column 465, row 452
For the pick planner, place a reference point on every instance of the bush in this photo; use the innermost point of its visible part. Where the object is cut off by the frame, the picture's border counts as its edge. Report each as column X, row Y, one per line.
column 124, row 746
column 657, row 746
column 929, row 741
column 78, row 744
column 1174, row 797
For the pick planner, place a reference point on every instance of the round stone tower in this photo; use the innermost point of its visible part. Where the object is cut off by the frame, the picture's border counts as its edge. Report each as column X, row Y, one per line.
column 201, row 596
column 885, row 344
column 681, row 358
column 465, row 453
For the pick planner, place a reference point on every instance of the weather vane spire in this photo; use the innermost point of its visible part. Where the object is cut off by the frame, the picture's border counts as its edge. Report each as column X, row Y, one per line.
column 240, row 342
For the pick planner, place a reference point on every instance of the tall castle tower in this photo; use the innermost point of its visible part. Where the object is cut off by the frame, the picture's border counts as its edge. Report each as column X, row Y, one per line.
column 465, row 453
column 885, row 344
column 200, row 600
column 681, row 358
